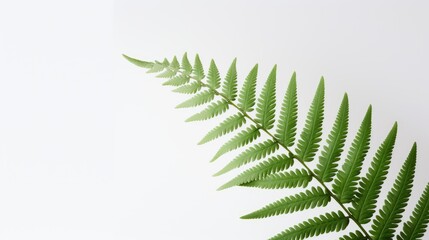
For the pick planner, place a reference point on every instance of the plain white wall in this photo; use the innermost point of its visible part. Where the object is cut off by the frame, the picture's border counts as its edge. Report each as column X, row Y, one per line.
column 92, row 148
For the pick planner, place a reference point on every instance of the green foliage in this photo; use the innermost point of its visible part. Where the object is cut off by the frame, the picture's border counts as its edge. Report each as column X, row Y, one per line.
column 331, row 153
column 286, row 130
column 291, row 179
column 347, row 179
column 329, row 222
column 311, row 135
column 315, row 197
column 416, row 226
column 272, row 156
column 389, row 215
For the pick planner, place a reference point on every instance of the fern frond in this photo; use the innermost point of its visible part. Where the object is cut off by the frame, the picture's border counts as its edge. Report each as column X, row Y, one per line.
column 290, row 179
column 243, row 138
column 198, row 71
column 228, row 125
column 310, row 136
column 390, row 214
column 273, row 173
column 370, row 186
column 331, row 153
column 229, row 88
column 345, row 183
column 211, row 111
column 138, row 62
column 415, row 228
column 254, row 153
column 329, row 222
column 286, row 129
column 177, row 80
column 272, row 165
column 190, row 88
column 213, row 76
column 246, row 100
column 265, row 110
column 314, row 197
column 186, row 65
column 197, row 100
column 354, row 236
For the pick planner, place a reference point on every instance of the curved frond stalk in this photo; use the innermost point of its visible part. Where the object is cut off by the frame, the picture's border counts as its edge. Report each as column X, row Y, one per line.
column 331, row 153
column 415, row 228
column 265, row 110
column 197, row 100
column 241, row 139
column 354, row 236
column 227, row 126
column 290, row 179
column 345, row 183
column 329, row 222
column 390, row 214
column 311, row 135
column 157, row 67
column 211, row 111
column 256, row 152
column 213, row 76
column 246, row 100
column 272, row 165
column 370, row 186
column 315, row 197
column 286, row 130
column 229, row 88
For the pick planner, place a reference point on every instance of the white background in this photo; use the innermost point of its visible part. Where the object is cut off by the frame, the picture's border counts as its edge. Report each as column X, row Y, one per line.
column 92, row 148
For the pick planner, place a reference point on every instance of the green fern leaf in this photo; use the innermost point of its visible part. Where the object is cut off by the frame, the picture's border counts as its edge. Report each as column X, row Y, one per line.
column 230, row 85
column 272, row 173
column 390, row 214
column 198, row 73
column 415, row 228
column 310, row 136
column 254, row 153
column 354, row 236
column 190, row 88
column 370, row 186
column 139, row 63
column 248, row 92
column 315, row 197
column 197, row 100
column 265, row 110
column 286, row 129
column 243, row 138
column 211, row 111
column 329, row 222
column 156, row 67
column 272, row 165
column 290, row 179
column 171, row 70
column 227, row 126
column 331, row 153
column 213, row 76
column 347, row 178
column 186, row 65
column 177, row 80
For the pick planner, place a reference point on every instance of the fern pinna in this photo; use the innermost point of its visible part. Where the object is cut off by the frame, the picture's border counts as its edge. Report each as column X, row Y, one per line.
column 356, row 194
